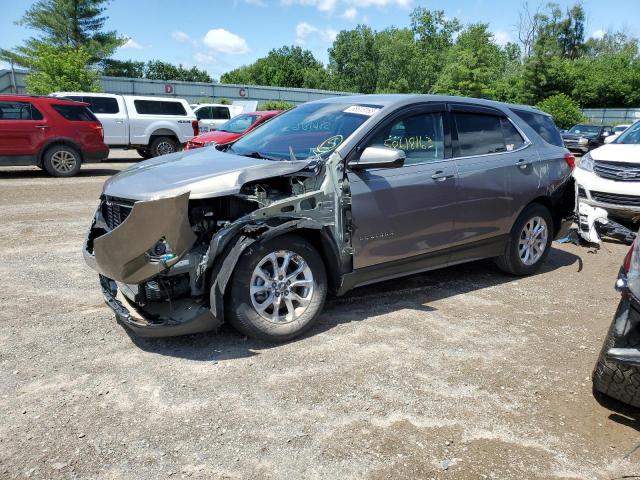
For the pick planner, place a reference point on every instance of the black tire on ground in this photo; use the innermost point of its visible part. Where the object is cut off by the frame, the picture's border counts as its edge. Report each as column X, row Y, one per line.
column 239, row 305
column 163, row 146
column 511, row 260
column 144, row 152
column 62, row 161
column 617, row 381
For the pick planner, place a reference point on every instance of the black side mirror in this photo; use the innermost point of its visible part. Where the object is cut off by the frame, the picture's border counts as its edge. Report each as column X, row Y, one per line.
column 379, row 157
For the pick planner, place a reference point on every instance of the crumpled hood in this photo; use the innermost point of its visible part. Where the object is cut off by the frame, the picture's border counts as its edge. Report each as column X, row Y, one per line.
column 617, row 152
column 205, row 172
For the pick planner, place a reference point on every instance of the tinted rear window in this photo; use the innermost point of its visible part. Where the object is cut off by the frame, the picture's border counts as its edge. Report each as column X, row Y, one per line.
column 159, row 107
column 102, row 104
column 543, row 126
column 478, row 134
column 19, row 111
column 75, row 113
column 220, row 113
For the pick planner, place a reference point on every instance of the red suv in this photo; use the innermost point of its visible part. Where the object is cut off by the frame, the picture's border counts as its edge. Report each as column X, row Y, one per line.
column 51, row 133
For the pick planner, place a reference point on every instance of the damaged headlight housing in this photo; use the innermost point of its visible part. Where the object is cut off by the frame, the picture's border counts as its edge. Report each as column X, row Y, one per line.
column 586, row 162
column 161, row 252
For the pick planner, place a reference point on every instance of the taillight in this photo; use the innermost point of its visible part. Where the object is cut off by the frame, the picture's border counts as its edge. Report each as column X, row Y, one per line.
column 626, row 266
column 570, row 159
column 196, row 128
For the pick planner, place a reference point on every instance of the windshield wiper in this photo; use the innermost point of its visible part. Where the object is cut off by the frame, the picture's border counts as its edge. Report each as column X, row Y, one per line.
column 257, row 154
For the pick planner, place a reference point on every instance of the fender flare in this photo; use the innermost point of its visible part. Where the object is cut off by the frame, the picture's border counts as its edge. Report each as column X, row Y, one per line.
column 58, row 141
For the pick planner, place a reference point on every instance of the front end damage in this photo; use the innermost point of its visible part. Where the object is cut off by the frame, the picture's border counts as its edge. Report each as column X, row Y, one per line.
column 164, row 264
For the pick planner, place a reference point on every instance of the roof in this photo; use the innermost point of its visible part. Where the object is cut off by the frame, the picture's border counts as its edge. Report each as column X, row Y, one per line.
column 41, row 98
column 263, row 113
column 398, row 100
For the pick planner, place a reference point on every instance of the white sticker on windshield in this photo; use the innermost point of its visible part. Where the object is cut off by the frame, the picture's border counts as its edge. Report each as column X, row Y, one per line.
column 360, row 110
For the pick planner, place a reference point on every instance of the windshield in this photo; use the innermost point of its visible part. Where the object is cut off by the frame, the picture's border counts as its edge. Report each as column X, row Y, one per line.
column 238, row 124
column 620, row 128
column 630, row 136
column 585, row 129
column 310, row 130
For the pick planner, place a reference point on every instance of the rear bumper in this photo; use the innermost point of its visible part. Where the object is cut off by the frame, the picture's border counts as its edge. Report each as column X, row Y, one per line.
column 95, row 157
column 181, row 318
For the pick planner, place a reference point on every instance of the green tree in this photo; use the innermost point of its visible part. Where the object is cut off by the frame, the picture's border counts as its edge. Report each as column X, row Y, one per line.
column 563, row 109
column 75, row 24
column 282, row 67
column 399, row 65
column 61, row 69
column 353, row 61
column 159, row 70
column 276, row 105
column 473, row 64
column 123, row 68
column 434, row 34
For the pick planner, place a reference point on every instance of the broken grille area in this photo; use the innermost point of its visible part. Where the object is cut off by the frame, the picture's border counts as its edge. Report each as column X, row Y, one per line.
column 115, row 211
column 617, row 171
column 630, row 200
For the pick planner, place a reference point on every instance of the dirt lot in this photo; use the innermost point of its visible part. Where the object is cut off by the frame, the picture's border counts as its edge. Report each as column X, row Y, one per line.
column 459, row 373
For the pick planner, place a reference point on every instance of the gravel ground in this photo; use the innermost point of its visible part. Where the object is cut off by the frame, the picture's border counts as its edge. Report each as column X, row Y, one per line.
column 458, row 373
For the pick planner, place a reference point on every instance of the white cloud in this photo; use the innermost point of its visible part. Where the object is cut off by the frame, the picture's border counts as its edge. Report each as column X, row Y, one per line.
column 223, row 41
column 182, row 37
column 255, row 3
column 203, row 58
column 304, row 30
column 501, row 38
column 131, row 43
column 350, row 14
column 329, row 6
column 598, row 34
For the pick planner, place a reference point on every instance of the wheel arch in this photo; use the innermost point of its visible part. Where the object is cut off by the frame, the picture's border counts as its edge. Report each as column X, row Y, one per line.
column 58, row 141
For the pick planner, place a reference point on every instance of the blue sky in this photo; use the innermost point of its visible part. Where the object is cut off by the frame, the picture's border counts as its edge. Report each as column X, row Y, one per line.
column 219, row 35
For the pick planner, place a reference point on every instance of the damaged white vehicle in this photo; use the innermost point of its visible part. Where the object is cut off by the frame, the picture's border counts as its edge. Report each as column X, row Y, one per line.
column 608, row 188
column 328, row 196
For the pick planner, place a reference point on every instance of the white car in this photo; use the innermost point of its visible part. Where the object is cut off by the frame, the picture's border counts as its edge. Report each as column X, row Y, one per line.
column 152, row 125
column 609, row 177
column 211, row 115
column 615, row 133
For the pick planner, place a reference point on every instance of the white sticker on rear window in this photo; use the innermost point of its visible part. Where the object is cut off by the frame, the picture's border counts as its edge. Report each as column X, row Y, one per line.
column 360, row 110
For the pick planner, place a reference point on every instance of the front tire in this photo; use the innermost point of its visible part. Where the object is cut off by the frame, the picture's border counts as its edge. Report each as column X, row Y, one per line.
column 621, row 382
column 277, row 290
column 529, row 241
column 163, row 146
column 62, row 161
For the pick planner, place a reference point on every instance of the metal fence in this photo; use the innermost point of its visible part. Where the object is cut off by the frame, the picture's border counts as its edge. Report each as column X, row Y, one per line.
column 612, row 116
column 191, row 91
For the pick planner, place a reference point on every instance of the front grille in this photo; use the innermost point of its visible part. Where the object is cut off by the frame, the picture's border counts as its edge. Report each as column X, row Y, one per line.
column 613, row 198
column 115, row 211
column 620, row 172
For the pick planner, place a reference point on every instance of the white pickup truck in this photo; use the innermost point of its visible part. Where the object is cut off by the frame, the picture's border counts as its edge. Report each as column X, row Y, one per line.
column 152, row 125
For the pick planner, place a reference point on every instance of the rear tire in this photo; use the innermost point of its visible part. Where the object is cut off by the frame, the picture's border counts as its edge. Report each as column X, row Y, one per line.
column 529, row 242
column 163, row 146
column 62, row 161
column 144, row 152
column 612, row 379
column 276, row 304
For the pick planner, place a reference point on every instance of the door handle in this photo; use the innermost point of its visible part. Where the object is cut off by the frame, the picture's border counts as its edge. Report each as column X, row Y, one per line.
column 119, row 121
column 522, row 163
column 42, row 126
column 440, row 176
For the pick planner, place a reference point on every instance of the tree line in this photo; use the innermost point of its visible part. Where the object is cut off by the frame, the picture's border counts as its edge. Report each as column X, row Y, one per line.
column 551, row 63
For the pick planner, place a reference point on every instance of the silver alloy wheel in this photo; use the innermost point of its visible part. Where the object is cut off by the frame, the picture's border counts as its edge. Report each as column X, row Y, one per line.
column 63, row 161
column 164, row 148
column 533, row 240
column 281, row 287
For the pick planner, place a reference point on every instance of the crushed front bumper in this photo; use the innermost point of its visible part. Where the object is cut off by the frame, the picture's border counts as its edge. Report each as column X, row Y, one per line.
column 626, row 320
column 184, row 316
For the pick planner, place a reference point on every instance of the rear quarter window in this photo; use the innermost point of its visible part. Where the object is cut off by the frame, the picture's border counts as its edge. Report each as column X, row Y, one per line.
column 543, row 125
column 159, row 107
column 75, row 113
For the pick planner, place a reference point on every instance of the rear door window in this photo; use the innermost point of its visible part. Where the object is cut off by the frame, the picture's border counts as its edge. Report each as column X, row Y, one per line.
column 478, row 134
column 543, row 125
column 106, row 105
column 19, row 111
column 159, row 107
column 75, row 113
column 204, row 113
column 220, row 113
column 512, row 138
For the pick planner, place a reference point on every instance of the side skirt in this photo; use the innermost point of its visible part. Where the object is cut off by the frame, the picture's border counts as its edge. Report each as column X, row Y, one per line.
column 489, row 248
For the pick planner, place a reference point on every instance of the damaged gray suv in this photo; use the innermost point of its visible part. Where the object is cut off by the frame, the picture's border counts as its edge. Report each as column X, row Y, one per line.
column 331, row 195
